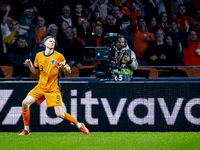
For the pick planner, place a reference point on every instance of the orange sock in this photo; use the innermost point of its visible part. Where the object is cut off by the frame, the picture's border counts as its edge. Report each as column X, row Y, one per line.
column 69, row 118
column 26, row 116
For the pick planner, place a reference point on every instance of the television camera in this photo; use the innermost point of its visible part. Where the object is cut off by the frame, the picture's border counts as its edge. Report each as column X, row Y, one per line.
column 104, row 54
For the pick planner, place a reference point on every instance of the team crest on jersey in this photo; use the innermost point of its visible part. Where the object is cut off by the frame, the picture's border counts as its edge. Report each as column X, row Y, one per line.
column 53, row 62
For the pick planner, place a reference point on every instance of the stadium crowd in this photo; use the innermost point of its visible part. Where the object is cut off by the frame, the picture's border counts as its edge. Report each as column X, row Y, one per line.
column 160, row 32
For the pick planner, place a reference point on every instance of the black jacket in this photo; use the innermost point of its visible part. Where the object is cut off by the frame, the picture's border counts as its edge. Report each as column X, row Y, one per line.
column 85, row 36
column 16, row 58
column 71, row 51
column 155, row 49
column 93, row 41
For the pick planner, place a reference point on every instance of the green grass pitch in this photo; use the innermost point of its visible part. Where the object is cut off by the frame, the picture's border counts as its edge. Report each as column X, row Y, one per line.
column 101, row 141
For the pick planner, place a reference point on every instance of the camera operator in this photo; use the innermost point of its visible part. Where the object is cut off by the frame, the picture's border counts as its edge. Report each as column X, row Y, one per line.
column 125, row 61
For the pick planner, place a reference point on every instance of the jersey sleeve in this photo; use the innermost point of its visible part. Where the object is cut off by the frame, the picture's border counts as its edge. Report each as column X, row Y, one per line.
column 62, row 59
column 36, row 64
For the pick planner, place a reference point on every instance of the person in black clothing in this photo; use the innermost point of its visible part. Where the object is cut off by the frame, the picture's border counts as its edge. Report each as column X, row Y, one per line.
column 18, row 52
column 71, row 49
column 97, row 39
column 84, row 32
column 66, row 15
column 108, row 27
column 159, row 53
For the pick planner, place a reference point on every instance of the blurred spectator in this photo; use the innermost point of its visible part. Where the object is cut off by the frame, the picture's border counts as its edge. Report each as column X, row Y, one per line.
column 18, row 52
column 88, row 14
column 122, row 20
column 191, row 53
column 62, row 30
column 100, row 7
column 115, row 12
column 93, row 18
column 158, row 53
column 141, row 37
column 13, row 35
column 2, row 10
column 78, row 12
column 76, row 37
column 176, row 48
column 46, row 7
column 110, row 5
column 98, row 39
column 39, row 47
column 195, row 25
column 2, row 13
column 6, row 26
column 140, row 10
column 66, row 13
column 84, row 32
column 174, row 6
column 53, row 31
column 108, row 27
column 129, row 37
column 37, row 31
column 151, row 9
column 71, row 49
column 180, row 17
column 161, row 6
column 196, row 3
column 164, row 23
column 125, row 9
column 169, row 41
column 153, row 25
column 18, row 7
column 27, row 16
column 174, row 32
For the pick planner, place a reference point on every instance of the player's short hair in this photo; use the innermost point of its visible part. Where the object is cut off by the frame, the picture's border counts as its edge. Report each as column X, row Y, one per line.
column 48, row 37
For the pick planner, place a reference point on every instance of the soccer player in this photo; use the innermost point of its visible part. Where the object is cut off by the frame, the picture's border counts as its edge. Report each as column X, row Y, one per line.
column 48, row 63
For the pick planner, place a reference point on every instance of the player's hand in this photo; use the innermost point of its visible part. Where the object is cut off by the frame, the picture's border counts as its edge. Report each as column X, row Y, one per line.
column 126, row 58
column 62, row 64
column 28, row 62
column 67, row 68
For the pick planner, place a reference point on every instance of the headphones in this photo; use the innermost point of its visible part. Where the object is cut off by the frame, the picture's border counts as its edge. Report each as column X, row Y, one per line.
column 121, row 36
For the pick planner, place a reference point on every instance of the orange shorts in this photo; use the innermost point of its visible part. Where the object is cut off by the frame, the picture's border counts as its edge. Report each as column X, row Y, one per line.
column 53, row 98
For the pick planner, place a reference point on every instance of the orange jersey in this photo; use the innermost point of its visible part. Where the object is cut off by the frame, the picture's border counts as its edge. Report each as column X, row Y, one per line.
column 49, row 78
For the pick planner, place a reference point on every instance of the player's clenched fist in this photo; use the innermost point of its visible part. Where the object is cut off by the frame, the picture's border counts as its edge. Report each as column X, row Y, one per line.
column 65, row 66
column 28, row 62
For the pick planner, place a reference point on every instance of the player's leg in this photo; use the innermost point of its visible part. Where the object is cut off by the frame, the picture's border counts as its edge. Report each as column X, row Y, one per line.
column 26, row 103
column 60, row 113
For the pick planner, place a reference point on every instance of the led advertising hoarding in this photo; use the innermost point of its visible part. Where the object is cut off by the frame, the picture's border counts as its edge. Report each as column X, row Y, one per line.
column 106, row 107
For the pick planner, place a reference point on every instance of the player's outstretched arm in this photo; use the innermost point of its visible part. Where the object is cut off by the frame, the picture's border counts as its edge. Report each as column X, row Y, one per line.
column 65, row 67
column 31, row 67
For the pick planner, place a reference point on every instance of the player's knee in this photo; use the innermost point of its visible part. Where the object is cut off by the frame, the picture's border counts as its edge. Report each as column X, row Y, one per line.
column 25, row 104
column 60, row 115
